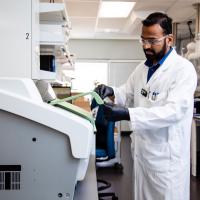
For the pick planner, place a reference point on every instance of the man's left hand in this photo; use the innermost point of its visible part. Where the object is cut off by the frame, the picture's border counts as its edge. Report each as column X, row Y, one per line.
column 115, row 112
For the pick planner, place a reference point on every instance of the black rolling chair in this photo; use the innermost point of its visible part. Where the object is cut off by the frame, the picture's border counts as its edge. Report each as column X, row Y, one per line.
column 105, row 185
column 105, row 148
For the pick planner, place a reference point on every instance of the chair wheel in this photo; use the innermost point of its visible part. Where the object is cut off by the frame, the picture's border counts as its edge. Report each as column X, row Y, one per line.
column 119, row 167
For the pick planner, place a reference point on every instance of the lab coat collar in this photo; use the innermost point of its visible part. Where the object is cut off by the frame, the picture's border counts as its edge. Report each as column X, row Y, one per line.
column 150, row 64
column 169, row 61
column 165, row 66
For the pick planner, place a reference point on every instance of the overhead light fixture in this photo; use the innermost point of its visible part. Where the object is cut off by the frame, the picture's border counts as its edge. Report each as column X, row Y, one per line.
column 115, row 9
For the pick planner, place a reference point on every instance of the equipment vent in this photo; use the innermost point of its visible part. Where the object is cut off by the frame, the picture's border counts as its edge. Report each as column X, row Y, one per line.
column 10, row 177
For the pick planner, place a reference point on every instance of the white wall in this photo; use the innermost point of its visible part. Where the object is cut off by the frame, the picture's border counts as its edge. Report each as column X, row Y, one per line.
column 102, row 49
column 120, row 70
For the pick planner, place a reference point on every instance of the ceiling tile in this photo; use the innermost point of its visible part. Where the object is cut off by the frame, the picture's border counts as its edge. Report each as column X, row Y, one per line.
column 82, row 9
column 156, row 5
column 81, row 1
column 110, row 23
column 187, row 11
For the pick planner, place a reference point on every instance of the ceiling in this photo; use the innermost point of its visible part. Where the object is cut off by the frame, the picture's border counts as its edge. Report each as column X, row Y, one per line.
column 86, row 23
column 83, row 15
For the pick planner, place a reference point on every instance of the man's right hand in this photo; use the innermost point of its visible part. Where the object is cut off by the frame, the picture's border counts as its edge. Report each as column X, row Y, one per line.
column 104, row 91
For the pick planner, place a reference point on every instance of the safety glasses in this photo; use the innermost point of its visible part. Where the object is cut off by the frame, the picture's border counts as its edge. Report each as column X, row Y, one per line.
column 156, row 41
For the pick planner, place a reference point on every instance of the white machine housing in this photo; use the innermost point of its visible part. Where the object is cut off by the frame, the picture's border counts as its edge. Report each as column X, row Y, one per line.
column 44, row 150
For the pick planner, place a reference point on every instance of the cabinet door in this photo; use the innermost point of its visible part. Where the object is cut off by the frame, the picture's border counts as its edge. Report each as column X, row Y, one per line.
column 35, row 59
column 16, row 38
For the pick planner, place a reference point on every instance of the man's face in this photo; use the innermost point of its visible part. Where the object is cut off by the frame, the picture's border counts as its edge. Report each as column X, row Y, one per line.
column 155, row 42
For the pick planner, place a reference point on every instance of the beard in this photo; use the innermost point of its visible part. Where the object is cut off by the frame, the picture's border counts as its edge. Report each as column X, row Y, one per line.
column 154, row 57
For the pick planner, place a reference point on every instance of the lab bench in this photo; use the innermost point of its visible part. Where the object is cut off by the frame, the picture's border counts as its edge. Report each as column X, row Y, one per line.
column 87, row 189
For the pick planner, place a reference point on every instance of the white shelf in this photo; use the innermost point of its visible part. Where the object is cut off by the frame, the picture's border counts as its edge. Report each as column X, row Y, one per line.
column 53, row 13
column 52, row 34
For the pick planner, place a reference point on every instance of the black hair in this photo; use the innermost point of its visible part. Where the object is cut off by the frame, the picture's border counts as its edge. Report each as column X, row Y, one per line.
column 162, row 19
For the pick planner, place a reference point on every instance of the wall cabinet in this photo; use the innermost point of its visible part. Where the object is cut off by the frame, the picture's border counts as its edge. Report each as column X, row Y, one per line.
column 19, row 27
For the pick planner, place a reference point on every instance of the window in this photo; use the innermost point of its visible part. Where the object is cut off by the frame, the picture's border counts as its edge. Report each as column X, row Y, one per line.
column 87, row 74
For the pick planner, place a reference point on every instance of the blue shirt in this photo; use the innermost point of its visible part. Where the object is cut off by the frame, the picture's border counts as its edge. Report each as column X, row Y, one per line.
column 153, row 68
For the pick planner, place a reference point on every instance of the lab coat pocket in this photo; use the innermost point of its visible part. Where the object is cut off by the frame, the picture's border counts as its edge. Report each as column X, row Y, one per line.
column 157, row 99
column 156, row 157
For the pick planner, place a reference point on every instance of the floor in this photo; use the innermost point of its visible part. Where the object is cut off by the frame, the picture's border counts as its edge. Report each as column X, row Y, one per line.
column 121, row 183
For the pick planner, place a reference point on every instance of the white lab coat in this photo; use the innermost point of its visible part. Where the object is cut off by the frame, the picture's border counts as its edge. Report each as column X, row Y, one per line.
column 161, row 128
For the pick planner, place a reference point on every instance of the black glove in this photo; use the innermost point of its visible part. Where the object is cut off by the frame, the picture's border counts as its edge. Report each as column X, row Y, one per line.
column 104, row 91
column 113, row 112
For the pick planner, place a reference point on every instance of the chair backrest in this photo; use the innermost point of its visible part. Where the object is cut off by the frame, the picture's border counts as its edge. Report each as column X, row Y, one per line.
column 104, row 134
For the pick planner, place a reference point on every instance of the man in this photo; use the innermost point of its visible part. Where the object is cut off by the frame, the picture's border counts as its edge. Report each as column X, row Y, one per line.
column 158, row 97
